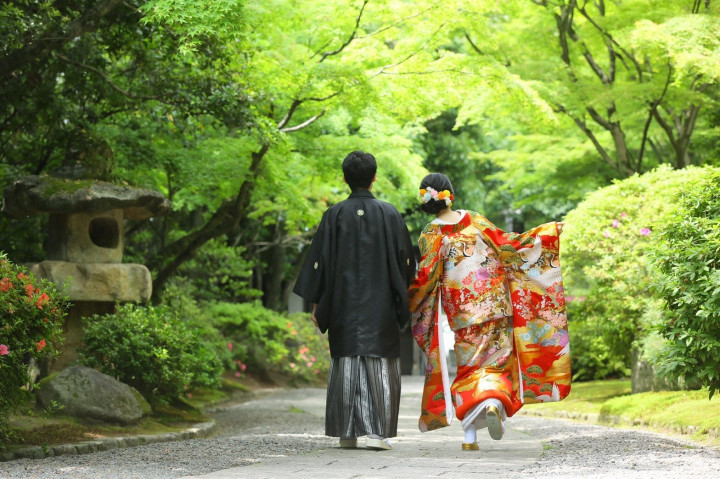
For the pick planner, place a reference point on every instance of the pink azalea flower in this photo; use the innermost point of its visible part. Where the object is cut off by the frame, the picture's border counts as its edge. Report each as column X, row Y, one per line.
column 645, row 231
column 606, row 233
column 230, row 346
column 309, row 364
column 292, row 365
column 615, row 223
column 237, row 374
column 623, row 214
column 4, row 350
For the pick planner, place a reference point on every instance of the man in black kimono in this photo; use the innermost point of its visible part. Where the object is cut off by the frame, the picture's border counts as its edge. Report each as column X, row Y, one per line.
column 356, row 275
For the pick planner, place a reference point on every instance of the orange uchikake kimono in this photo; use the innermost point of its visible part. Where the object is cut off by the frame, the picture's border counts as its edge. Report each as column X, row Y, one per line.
column 504, row 300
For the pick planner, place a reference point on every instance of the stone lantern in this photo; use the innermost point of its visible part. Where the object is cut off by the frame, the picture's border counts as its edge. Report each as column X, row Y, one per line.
column 85, row 242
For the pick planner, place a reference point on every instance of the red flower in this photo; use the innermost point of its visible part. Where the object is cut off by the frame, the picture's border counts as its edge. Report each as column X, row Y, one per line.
column 29, row 290
column 21, row 276
column 41, row 344
column 43, row 299
column 5, row 284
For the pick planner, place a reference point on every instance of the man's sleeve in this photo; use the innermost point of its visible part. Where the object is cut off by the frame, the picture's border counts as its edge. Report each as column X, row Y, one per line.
column 311, row 281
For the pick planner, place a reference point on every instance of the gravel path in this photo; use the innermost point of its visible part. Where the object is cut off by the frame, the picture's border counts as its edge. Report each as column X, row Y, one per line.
column 576, row 450
column 270, row 428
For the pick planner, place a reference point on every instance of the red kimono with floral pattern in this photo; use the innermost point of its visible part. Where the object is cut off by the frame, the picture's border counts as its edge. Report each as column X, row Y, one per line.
column 504, row 300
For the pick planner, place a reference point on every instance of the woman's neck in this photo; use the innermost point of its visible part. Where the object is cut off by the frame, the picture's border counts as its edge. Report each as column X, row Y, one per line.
column 448, row 215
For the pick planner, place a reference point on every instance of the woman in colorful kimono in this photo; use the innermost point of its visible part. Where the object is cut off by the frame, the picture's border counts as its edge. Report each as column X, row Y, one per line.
column 501, row 295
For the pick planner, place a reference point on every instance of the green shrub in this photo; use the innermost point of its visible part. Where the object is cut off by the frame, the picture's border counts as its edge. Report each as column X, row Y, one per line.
column 606, row 243
column 308, row 350
column 151, row 349
column 688, row 263
column 31, row 319
column 264, row 341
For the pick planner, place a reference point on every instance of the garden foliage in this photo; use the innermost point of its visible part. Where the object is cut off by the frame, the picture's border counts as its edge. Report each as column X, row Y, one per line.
column 31, row 319
column 688, row 281
column 606, row 248
column 151, row 349
column 263, row 342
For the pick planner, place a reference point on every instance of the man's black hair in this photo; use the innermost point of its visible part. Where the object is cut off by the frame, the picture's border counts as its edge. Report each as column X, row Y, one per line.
column 359, row 169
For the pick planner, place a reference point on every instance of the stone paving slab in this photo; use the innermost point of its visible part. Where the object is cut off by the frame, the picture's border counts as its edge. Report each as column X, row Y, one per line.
column 415, row 455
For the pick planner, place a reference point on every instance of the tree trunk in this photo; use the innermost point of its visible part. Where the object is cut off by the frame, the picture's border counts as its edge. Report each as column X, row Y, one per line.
column 277, row 254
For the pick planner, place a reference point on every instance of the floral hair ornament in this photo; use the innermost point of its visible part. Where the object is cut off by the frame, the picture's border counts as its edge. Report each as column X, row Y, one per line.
column 428, row 193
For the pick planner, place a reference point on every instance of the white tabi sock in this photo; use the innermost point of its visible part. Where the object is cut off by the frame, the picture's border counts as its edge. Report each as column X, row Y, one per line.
column 470, row 434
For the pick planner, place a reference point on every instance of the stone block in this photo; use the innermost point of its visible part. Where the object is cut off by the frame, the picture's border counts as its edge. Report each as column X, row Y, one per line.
column 98, row 281
column 90, row 395
column 86, row 237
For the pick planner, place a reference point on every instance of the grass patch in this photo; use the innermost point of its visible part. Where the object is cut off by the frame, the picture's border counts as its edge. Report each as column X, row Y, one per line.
column 667, row 409
column 611, row 402
column 586, row 397
column 41, row 431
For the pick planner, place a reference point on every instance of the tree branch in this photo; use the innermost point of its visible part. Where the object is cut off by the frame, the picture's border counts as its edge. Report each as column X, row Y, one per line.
column 611, row 62
column 293, row 106
column 399, row 22
column 299, row 101
column 588, row 132
column 303, row 124
column 599, row 118
column 473, row 45
column 604, row 78
column 350, row 38
column 653, row 106
column 427, row 72
column 393, row 65
column 222, row 222
column 607, row 35
column 658, row 152
column 665, row 126
column 564, row 26
column 55, row 38
column 302, row 238
column 107, row 79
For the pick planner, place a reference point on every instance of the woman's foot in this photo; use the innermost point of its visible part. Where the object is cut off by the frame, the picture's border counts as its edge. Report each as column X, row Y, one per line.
column 470, row 446
column 494, row 422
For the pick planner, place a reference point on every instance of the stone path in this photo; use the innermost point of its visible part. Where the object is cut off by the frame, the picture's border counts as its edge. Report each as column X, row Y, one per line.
column 281, row 435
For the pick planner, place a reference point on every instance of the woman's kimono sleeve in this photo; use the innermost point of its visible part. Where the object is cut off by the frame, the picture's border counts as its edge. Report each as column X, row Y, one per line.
column 423, row 291
column 532, row 265
column 424, row 299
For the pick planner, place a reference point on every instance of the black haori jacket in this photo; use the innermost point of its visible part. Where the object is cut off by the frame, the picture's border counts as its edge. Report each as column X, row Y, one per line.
column 358, row 269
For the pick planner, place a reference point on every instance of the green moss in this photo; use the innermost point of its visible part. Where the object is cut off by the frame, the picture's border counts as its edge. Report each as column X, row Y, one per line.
column 146, row 408
column 667, row 409
column 611, row 401
column 179, row 411
column 58, row 185
column 587, row 397
column 39, row 431
column 43, row 382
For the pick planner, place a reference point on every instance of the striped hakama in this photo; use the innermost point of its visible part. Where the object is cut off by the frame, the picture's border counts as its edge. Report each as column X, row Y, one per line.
column 363, row 397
